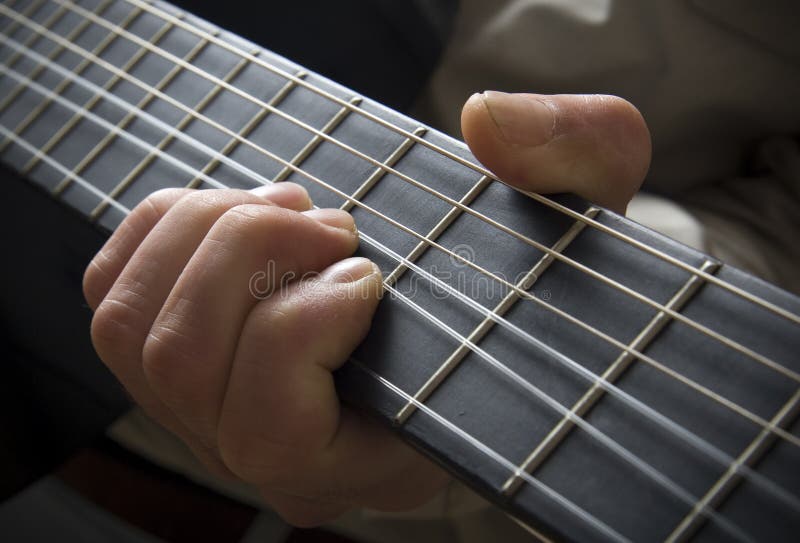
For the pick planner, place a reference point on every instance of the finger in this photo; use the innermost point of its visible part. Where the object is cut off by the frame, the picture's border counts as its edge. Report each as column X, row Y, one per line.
column 186, row 357
column 281, row 424
column 280, row 397
column 125, row 315
column 595, row 146
column 109, row 262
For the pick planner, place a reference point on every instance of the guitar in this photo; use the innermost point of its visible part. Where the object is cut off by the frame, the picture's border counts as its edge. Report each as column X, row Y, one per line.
column 594, row 379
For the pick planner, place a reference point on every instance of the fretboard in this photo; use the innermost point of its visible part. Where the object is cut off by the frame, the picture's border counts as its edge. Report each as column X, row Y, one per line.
column 595, row 379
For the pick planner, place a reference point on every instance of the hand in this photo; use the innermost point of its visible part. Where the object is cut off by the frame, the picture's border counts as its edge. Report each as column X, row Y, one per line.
column 244, row 379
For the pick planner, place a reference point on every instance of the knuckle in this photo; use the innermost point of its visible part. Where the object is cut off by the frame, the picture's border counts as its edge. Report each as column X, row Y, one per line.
column 152, row 208
column 167, row 195
column 165, row 358
column 243, row 221
column 213, row 203
column 95, row 279
column 114, row 329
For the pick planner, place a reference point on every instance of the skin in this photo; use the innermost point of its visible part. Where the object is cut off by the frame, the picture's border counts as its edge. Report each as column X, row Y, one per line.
column 246, row 380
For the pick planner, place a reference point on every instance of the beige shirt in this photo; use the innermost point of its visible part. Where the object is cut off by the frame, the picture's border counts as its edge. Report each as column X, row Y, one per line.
column 718, row 82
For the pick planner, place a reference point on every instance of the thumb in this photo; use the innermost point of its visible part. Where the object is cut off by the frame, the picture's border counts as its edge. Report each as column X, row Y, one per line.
column 595, row 146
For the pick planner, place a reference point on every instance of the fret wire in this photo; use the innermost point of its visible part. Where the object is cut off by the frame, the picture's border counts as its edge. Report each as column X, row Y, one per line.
column 725, row 484
column 247, row 129
column 473, row 441
column 757, row 300
column 315, row 141
column 393, row 222
column 67, row 127
column 18, row 140
column 599, row 436
column 111, row 127
column 122, row 124
column 480, row 331
column 31, row 40
column 101, row 121
column 637, row 405
column 476, row 167
column 611, row 375
column 437, row 230
column 379, row 173
column 494, row 455
column 151, row 156
column 400, row 226
column 58, row 166
column 732, row 344
column 61, row 87
column 37, row 70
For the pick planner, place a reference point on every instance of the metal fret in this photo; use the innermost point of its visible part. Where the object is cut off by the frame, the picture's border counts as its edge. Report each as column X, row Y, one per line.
column 612, row 373
column 379, row 173
column 59, row 135
column 309, row 147
column 247, row 129
column 30, row 41
column 728, row 481
column 438, row 229
column 527, row 281
column 129, row 117
column 54, row 52
column 167, row 139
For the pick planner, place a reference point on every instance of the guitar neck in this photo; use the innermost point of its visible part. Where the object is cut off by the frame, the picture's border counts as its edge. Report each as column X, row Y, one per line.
column 595, row 379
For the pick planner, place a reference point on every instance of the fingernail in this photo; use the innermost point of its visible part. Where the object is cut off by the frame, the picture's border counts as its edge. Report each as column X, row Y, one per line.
column 283, row 193
column 522, row 119
column 333, row 217
column 350, row 270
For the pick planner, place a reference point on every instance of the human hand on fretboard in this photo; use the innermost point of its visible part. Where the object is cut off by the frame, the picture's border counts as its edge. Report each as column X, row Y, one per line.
column 224, row 313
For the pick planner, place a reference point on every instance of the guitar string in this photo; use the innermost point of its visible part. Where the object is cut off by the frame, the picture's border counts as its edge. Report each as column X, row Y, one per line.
column 603, row 439
column 167, row 129
column 659, row 366
column 703, row 329
column 642, row 466
column 750, row 353
column 590, row 519
column 784, row 313
column 29, row 12
column 729, row 404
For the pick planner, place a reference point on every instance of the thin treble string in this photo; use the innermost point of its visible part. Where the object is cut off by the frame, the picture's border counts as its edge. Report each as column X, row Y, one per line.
column 50, row 95
column 613, row 446
column 728, row 342
column 564, row 502
column 626, row 455
column 757, row 300
column 47, row 159
column 123, row 104
column 34, row 36
column 668, row 424
column 522, row 293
